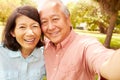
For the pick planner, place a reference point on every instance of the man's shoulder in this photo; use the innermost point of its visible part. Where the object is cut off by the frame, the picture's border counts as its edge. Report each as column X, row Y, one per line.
column 85, row 37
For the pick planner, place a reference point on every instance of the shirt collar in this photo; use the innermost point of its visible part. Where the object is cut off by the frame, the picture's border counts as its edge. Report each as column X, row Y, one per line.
column 36, row 52
column 14, row 54
column 68, row 39
column 35, row 55
column 11, row 53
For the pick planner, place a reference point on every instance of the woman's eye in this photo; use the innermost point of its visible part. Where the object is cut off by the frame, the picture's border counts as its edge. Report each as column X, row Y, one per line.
column 35, row 26
column 22, row 27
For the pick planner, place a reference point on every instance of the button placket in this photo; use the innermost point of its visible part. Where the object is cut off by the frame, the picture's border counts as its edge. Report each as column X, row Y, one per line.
column 24, row 70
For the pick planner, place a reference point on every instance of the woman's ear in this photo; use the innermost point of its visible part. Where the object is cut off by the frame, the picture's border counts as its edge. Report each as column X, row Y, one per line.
column 12, row 33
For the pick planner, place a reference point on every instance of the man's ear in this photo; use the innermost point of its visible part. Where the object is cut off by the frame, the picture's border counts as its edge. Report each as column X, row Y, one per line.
column 69, row 21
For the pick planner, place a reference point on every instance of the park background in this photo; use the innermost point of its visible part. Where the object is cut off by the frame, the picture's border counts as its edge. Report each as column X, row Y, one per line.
column 98, row 18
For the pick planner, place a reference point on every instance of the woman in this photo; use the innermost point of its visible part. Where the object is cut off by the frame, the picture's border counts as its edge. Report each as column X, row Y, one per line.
column 21, row 56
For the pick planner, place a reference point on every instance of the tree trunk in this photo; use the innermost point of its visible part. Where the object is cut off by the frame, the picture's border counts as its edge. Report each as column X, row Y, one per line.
column 102, row 27
column 112, row 22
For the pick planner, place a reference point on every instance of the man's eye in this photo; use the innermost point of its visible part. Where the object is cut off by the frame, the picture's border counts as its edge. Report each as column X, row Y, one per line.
column 43, row 22
column 55, row 19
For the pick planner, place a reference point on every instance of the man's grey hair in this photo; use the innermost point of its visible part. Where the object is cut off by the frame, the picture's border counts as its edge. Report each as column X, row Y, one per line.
column 65, row 10
column 59, row 2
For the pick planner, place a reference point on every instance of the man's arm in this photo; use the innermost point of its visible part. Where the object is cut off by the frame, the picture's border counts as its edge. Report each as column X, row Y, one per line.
column 111, row 68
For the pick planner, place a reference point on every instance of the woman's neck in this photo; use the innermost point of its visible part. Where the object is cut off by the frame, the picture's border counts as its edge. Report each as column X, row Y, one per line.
column 26, row 52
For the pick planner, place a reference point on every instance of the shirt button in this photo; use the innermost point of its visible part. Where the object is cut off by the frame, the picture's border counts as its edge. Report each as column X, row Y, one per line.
column 55, row 69
column 57, row 55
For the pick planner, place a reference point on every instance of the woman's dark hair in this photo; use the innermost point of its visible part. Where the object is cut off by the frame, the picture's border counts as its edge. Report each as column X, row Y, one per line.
column 7, row 39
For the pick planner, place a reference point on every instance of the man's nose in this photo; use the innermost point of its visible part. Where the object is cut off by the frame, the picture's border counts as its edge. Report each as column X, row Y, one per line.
column 51, row 26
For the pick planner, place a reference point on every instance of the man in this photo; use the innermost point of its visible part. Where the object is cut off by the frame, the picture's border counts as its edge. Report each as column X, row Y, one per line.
column 69, row 56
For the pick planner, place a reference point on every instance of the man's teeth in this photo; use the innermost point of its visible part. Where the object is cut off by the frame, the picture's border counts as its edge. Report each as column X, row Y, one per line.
column 54, row 34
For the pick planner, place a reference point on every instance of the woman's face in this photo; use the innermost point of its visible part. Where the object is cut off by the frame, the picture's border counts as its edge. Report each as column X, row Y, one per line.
column 27, row 32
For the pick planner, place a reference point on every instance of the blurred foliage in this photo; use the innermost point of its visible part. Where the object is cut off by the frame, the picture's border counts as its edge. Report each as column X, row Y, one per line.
column 85, row 12
column 117, row 28
column 28, row 2
column 111, row 7
column 7, row 6
column 90, row 13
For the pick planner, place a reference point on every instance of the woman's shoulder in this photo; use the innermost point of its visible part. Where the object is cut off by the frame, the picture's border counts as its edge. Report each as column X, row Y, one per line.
column 1, row 46
column 41, row 49
column 4, row 49
column 38, row 50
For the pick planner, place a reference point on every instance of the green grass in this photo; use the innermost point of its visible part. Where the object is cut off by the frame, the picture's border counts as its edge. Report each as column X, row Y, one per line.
column 115, row 42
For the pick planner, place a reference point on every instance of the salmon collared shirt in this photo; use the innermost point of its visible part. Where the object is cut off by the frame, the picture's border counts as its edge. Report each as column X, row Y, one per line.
column 78, row 57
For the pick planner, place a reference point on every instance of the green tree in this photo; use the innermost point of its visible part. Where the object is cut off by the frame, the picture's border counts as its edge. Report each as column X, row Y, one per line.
column 92, row 14
column 82, row 11
column 7, row 6
column 111, row 7
column 28, row 2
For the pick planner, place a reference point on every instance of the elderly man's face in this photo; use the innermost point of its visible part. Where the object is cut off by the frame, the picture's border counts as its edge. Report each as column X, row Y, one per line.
column 55, row 24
